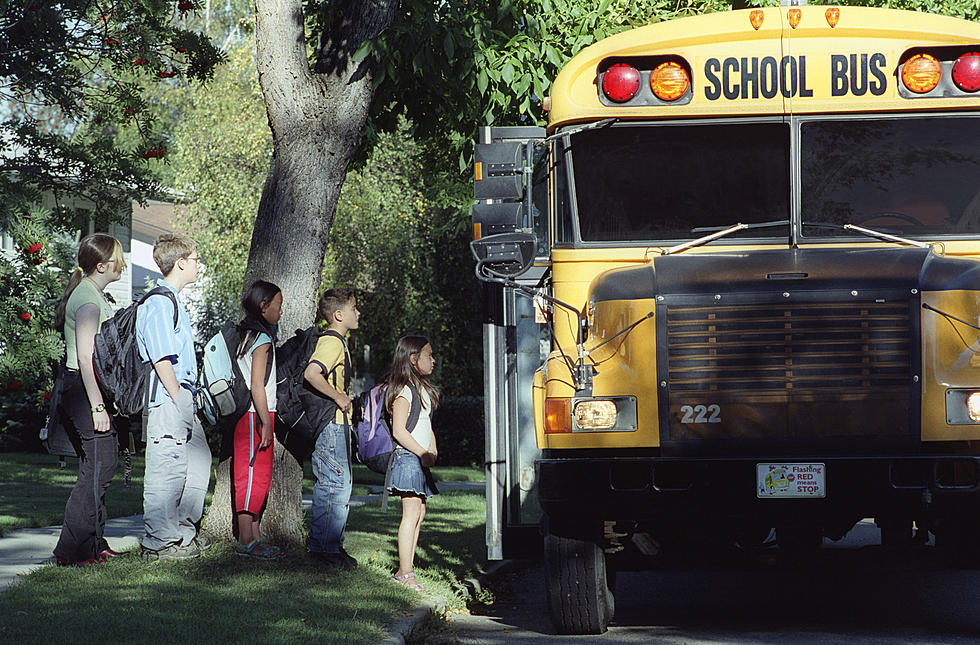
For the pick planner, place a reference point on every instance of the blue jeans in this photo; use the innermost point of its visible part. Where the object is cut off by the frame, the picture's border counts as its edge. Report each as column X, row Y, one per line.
column 331, row 494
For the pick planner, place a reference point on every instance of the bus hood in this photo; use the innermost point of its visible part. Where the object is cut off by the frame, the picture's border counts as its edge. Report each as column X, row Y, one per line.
column 788, row 270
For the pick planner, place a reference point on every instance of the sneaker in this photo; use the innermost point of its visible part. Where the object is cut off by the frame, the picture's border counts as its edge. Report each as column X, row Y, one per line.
column 203, row 542
column 108, row 554
column 334, row 560
column 61, row 562
column 351, row 562
column 172, row 552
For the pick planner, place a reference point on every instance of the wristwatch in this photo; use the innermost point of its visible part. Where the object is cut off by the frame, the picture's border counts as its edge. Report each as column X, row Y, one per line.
column 99, row 408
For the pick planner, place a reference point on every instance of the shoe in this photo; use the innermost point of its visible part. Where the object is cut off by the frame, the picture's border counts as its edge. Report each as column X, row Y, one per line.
column 172, row 552
column 61, row 562
column 408, row 580
column 203, row 542
column 259, row 549
column 334, row 560
column 108, row 554
column 351, row 562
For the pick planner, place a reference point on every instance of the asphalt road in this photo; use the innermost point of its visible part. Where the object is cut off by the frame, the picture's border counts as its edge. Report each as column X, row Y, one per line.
column 850, row 593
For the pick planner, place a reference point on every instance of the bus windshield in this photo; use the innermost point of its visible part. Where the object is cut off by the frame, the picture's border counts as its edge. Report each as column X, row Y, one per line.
column 643, row 183
column 913, row 176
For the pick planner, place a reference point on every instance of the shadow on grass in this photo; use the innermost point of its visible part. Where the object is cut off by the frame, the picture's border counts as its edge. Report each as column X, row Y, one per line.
column 223, row 598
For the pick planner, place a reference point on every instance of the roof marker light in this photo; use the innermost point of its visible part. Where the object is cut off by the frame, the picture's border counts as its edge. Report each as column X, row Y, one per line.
column 966, row 72
column 620, row 82
column 794, row 16
column 921, row 73
column 833, row 16
column 669, row 81
column 755, row 18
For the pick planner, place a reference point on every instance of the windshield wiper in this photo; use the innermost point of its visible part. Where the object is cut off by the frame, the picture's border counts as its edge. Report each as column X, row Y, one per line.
column 583, row 128
column 869, row 232
column 885, row 236
column 719, row 232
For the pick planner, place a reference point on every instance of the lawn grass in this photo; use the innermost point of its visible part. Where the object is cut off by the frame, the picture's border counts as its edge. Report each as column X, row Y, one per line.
column 222, row 598
column 34, row 489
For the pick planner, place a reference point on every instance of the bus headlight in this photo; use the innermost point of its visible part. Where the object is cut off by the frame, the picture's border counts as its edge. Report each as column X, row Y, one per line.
column 605, row 414
column 973, row 406
column 962, row 407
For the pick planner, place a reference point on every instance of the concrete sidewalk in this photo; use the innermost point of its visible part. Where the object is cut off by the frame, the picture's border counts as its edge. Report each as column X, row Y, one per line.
column 24, row 550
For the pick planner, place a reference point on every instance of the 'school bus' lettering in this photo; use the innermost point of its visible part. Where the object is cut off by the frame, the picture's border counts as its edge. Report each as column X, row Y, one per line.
column 766, row 77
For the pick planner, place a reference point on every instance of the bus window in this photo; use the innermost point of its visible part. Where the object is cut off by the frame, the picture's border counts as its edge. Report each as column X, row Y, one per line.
column 644, row 183
column 910, row 176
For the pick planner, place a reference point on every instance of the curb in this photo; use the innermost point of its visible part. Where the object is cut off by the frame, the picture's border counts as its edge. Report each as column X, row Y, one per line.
column 403, row 628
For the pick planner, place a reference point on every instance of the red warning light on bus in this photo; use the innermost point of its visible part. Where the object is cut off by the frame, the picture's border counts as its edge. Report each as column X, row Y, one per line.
column 621, row 82
column 966, row 72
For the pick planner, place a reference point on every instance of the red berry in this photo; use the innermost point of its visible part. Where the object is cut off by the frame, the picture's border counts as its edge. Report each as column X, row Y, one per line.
column 47, row 396
column 182, row 49
column 25, row 316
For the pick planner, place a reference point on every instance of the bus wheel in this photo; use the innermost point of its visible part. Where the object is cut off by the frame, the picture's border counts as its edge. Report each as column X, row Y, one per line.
column 580, row 585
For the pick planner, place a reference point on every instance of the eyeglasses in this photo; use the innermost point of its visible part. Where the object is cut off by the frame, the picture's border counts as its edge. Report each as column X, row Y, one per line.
column 196, row 258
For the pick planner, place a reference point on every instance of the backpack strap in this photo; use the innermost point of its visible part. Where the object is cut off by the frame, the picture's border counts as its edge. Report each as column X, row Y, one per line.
column 154, row 377
column 347, row 368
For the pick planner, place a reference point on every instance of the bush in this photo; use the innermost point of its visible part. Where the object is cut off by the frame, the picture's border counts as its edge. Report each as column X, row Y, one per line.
column 459, row 425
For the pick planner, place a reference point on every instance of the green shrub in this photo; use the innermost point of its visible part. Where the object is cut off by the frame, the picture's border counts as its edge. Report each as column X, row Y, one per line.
column 458, row 423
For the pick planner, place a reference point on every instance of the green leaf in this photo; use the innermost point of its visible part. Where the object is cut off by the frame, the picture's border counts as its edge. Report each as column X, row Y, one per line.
column 481, row 81
column 449, row 47
column 366, row 48
column 507, row 73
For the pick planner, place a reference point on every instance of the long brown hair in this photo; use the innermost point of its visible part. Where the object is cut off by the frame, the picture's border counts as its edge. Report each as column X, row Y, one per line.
column 402, row 371
column 92, row 250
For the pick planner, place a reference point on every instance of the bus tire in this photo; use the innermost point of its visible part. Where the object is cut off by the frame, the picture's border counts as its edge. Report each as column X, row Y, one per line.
column 580, row 585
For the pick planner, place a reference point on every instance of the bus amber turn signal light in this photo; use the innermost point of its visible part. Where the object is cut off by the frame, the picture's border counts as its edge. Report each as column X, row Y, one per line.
column 756, row 17
column 794, row 16
column 557, row 415
column 966, row 72
column 620, row 82
column 669, row 81
column 833, row 16
column 921, row 73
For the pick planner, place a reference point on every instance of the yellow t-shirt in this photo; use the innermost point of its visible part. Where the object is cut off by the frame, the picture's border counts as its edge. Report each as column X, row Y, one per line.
column 329, row 356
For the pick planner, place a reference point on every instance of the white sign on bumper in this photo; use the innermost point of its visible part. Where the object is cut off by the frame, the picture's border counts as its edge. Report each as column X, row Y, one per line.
column 790, row 480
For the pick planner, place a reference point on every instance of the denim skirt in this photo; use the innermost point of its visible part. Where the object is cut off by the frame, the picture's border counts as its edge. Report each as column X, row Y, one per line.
column 409, row 477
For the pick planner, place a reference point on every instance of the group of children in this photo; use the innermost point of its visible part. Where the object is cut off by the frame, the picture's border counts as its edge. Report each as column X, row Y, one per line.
column 178, row 459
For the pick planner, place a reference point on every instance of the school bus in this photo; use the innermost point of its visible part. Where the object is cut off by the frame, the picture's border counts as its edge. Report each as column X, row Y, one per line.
column 733, row 293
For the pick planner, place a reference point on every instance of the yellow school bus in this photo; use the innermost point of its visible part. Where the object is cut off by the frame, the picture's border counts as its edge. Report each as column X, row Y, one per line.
column 733, row 293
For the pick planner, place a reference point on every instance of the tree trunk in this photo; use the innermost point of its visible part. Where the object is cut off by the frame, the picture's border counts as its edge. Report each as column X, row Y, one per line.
column 317, row 120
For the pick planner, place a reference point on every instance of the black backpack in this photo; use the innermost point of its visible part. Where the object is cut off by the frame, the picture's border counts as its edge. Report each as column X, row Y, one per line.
column 300, row 409
column 122, row 374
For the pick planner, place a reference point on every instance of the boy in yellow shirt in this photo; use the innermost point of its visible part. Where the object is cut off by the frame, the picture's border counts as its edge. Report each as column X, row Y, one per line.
column 328, row 373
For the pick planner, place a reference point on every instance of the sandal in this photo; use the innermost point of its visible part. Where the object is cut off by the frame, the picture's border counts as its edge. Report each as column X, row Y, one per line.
column 408, row 580
column 259, row 549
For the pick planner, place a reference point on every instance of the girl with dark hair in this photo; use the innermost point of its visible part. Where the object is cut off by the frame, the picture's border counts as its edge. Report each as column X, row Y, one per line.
column 78, row 403
column 416, row 451
column 253, row 437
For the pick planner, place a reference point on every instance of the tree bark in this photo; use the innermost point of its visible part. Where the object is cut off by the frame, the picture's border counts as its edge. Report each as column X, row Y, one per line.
column 317, row 120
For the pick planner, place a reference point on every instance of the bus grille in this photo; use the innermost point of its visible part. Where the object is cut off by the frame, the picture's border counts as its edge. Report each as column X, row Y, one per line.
column 789, row 349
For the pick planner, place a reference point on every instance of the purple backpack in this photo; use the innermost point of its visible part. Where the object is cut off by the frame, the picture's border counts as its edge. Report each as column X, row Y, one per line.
column 375, row 444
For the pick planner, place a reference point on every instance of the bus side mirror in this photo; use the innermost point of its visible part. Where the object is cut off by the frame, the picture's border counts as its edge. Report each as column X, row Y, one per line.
column 505, row 255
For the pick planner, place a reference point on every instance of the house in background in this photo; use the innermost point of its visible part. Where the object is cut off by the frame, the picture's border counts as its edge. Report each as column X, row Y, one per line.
column 146, row 224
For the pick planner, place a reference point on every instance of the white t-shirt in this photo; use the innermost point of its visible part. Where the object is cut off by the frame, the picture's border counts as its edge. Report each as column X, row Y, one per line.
column 245, row 363
column 423, row 428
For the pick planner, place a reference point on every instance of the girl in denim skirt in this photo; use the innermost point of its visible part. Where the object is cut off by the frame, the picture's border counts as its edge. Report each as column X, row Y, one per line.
column 416, row 451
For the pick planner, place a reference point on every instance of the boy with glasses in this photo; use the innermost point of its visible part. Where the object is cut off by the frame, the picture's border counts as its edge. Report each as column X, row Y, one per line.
column 178, row 460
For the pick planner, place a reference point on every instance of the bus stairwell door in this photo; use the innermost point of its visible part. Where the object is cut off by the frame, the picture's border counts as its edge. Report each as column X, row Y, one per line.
column 514, row 344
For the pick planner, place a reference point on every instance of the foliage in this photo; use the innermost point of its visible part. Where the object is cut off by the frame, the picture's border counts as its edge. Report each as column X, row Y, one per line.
column 221, row 150
column 31, row 285
column 399, row 239
column 71, row 76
